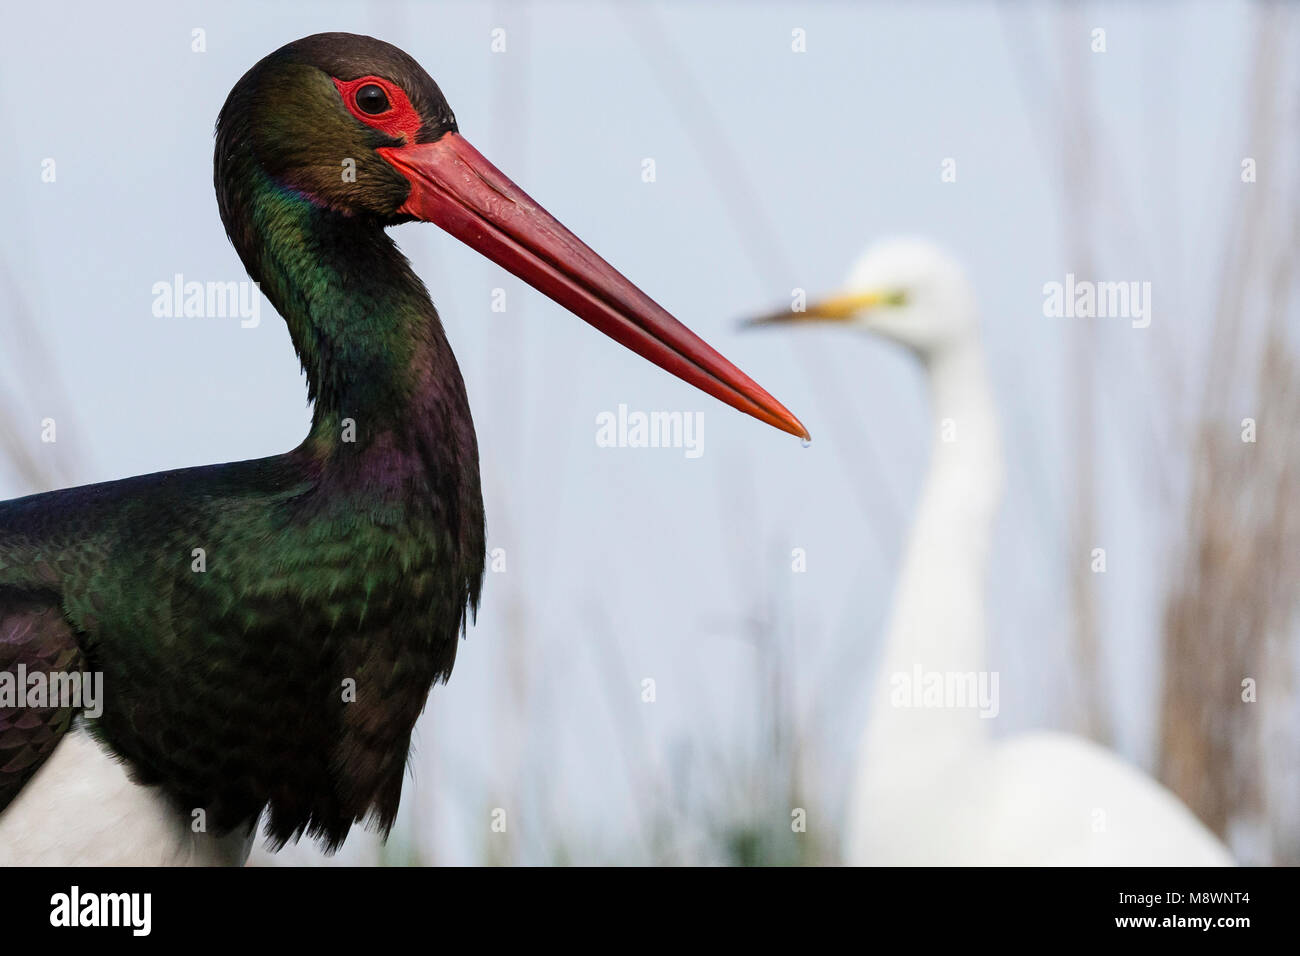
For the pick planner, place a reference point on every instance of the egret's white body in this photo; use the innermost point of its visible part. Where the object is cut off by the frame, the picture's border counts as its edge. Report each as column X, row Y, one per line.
column 82, row 809
column 932, row 785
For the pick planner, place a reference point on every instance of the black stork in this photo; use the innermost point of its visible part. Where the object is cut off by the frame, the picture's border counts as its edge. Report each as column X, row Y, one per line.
column 283, row 677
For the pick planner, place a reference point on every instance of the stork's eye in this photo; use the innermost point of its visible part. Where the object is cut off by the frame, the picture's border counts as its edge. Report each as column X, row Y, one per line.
column 372, row 99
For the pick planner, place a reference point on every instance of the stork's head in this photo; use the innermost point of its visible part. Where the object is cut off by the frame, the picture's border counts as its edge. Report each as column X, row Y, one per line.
column 908, row 290
column 351, row 135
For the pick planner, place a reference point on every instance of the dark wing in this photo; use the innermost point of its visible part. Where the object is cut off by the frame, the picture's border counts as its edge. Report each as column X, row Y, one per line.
column 34, row 638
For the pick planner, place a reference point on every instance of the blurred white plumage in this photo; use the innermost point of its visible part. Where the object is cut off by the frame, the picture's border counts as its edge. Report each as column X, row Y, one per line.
column 932, row 785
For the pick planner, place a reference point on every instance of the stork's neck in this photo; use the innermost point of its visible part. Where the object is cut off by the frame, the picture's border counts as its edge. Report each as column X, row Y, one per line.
column 391, row 431
column 378, row 365
column 937, row 625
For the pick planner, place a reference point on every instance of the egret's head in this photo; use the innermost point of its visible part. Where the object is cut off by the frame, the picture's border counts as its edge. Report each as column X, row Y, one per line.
column 908, row 290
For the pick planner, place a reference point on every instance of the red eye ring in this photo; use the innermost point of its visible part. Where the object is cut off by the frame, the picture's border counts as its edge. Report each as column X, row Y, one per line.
column 399, row 121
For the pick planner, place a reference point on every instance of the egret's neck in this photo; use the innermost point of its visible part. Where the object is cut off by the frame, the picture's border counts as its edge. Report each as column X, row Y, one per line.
column 933, row 681
column 965, row 475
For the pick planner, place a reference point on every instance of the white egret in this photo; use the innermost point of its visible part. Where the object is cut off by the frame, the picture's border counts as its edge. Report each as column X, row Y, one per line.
column 932, row 784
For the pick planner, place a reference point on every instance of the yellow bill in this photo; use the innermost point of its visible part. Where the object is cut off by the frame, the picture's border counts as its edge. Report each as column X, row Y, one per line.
column 837, row 308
